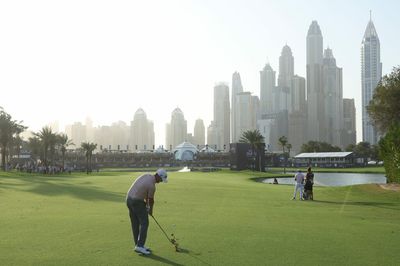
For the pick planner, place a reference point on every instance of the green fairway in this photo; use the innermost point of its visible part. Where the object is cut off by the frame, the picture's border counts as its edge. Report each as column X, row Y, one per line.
column 219, row 218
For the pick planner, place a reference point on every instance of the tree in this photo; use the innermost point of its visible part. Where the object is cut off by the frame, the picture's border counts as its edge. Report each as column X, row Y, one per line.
column 9, row 129
column 289, row 147
column 363, row 150
column 35, row 145
column 384, row 108
column 88, row 148
column 317, row 146
column 350, row 147
column 48, row 141
column 384, row 111
column 390, row 153
column 256, row 140
column 283, row 142
column 16, row 144
column 63, row 142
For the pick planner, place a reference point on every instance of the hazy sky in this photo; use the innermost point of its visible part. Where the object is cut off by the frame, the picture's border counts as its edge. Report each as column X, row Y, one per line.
column 66, row 60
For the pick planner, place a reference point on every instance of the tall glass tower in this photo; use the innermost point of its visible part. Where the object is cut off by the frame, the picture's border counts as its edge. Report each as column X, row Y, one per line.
column 371, row 73
column 315, row 96
column 237, row 88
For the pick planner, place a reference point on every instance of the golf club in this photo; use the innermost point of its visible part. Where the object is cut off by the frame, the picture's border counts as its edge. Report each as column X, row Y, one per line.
column 171, row 240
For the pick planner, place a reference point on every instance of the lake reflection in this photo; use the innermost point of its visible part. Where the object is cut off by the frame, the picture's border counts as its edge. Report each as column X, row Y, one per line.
column 337, row 179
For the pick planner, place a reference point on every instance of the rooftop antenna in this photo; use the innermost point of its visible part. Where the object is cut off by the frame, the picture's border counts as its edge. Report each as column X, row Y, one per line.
column 370, row 14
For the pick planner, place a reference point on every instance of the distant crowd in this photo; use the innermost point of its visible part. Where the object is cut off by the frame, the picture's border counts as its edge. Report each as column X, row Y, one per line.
column 31, row 167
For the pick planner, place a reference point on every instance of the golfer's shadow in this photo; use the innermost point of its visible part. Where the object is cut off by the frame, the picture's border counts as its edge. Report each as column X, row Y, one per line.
column 193, row 255
column 163, row 260
column 181, row 250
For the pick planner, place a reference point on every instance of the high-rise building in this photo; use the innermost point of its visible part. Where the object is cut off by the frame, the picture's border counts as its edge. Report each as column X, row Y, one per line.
column 78, row 134
column 315, row 95
column 212, row 136
column 286, row 67
column 267, row 87
column 236, row 88
column 283, row 98
column 371, row 73
column 222, row 116
column 245, row 118
column 89, row 129
column 141, row 132
column 333, row 99
column 199, row 138
column 299, row 94
column 298, row 116
column 120, row 132
column 176, row 130
column 349, row 121
column 103, row 136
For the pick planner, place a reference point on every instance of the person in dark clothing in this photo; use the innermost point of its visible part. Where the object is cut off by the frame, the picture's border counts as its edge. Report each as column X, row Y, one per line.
column 308, row 187
column 308, row 190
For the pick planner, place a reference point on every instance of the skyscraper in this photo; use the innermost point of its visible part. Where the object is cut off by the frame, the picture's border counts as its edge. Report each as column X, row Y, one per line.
column 222, row 116
column 286, row 72
column 142, row 132
column 333, row 99
column 286, row 67
column 315, row 96
column 298, row 116
column 371, row 73
column 246, row 116
column 236, row 88
column 176, row 130
column 349, row 122
column 267, row 87
column 199, row 133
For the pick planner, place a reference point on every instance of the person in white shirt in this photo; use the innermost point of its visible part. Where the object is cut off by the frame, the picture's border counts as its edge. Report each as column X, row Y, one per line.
column 299, row 184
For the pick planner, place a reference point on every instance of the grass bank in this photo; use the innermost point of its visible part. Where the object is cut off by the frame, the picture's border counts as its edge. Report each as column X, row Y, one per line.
column 219, row 218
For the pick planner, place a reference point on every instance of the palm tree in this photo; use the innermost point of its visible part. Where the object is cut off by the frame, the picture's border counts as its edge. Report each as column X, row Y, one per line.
column 256, row 140
column 48, row 141
column 35, row 145
column 8, row 130
column 88, row 148
column 283, row 142
column 289, row 147
column 63, row 142
column 16, row 145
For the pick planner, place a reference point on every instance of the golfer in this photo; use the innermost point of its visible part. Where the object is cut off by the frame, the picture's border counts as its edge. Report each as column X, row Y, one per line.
column 140, row 202
column 299, row 184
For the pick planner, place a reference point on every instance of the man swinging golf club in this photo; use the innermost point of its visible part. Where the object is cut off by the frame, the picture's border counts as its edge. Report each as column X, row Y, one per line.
column 140, row 202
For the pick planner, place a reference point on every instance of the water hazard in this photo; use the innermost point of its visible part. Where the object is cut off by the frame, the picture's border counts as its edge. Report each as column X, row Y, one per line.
column 337, row 179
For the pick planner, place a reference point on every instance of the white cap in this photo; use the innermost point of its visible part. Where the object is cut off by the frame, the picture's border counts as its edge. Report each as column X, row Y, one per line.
column 163, row 174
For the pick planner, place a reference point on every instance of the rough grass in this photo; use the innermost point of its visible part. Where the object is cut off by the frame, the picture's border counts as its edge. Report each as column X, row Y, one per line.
column 220, row 218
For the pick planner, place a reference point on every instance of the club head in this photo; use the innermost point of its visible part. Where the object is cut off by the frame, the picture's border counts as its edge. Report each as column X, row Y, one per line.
column 175, row 243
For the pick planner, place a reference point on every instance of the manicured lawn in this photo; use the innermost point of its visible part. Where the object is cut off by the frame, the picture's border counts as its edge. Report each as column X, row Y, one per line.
column 219, row 218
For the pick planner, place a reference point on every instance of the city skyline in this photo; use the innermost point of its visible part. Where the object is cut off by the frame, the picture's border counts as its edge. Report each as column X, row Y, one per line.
column 68, row 61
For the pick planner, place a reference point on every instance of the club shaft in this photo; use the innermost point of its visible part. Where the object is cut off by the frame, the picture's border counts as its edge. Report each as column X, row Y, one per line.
column 161, row 228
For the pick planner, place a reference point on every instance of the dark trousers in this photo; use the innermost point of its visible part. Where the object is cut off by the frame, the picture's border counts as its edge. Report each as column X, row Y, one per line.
column 139, row 220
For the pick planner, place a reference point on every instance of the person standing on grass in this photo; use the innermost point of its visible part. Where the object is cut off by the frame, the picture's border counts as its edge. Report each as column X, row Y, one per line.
column 140, row 202
column 309, row 184
column 299, row 184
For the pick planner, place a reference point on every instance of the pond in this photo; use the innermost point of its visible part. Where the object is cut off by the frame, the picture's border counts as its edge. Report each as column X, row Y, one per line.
column 336, row 179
